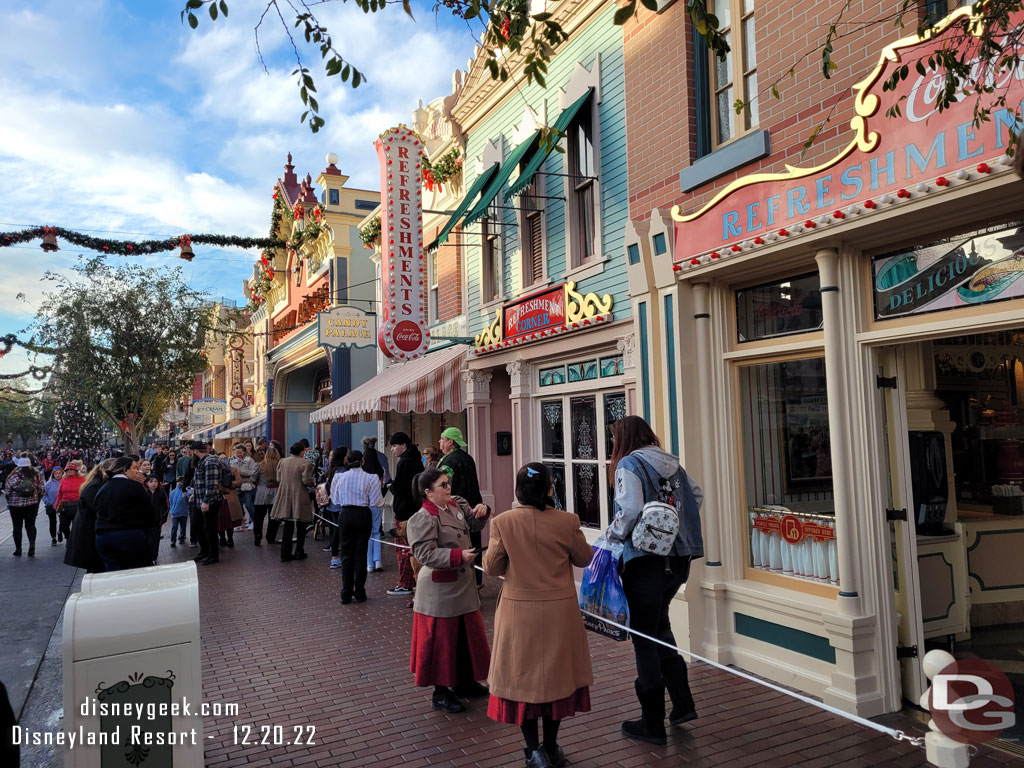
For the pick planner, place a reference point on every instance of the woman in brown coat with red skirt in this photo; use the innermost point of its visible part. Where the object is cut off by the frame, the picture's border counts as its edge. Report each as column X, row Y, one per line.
column 540, row 659
column 449, row 644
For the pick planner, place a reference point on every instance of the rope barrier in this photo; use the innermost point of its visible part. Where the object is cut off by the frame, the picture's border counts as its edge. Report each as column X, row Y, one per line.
column 897, row 735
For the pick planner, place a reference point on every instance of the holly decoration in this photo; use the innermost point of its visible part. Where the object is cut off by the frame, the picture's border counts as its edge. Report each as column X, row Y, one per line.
column 445, row 168
column 370, row 234
column 75, row 426
column 130, row 247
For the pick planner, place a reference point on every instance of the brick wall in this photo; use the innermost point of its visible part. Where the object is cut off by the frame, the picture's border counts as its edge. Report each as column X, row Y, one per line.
column 660, row 118
column 449, row 277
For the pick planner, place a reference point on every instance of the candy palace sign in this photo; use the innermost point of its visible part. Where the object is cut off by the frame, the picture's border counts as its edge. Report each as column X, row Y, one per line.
column 403, row 330
column 888, row 156
column 346, row 327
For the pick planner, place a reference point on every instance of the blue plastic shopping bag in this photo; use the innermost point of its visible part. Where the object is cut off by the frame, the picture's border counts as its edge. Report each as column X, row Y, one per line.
column 602, row 596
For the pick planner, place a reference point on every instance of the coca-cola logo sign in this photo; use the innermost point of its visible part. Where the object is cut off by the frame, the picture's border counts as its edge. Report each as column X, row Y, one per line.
column 407, row 336
column 402, row 333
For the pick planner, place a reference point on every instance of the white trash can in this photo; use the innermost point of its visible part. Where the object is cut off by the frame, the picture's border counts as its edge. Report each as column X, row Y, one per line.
column 132, row 670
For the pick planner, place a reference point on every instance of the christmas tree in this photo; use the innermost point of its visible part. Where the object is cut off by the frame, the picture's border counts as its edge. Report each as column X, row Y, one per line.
column 75, row 426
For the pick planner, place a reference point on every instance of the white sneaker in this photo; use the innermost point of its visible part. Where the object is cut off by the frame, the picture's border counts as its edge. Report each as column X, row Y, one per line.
column 249, row 527
column 335, row 563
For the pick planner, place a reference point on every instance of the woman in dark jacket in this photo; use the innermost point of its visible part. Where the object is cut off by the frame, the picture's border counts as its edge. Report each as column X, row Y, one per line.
column 161, row 509
column 124, row 517
column 81, row 552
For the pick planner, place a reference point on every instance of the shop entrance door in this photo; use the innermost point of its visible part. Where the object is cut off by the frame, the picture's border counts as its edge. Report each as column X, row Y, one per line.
column 902, row 531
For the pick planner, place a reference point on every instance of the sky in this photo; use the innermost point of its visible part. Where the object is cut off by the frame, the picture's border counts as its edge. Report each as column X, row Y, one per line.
column 119, row 121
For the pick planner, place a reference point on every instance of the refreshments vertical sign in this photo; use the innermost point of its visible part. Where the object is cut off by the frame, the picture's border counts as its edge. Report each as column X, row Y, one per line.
column 403, row 330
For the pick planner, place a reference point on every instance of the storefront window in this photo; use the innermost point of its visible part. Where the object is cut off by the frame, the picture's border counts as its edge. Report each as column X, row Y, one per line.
column 779, row 309
column 787, row 462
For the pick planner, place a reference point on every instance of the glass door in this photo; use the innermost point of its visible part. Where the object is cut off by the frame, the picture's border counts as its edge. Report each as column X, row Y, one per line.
column 576, row 447
column 902, row 532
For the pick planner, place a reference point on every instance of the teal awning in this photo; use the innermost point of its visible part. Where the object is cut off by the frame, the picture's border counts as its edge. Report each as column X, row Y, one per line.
column 498, row 181
column 470, row 198
column 561, row 125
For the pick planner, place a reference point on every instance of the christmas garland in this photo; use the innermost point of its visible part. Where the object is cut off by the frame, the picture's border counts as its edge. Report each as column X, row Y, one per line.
column 129, row 247
column 370, row 234
column 447, row 167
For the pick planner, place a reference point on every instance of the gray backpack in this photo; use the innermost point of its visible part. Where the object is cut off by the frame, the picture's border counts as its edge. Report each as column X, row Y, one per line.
column 656, row 530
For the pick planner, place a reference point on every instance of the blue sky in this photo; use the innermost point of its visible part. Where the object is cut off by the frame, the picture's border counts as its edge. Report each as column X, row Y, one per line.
column 118, row 118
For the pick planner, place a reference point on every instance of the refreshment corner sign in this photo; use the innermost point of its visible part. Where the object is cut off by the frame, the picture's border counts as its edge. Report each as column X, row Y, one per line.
column 403, row 333
column 888, row 160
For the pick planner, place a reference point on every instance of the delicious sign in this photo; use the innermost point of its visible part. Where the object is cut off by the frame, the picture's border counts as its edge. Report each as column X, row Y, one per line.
column 534, row 313
column 980, row 269
column 889, row 157
column 403, row 331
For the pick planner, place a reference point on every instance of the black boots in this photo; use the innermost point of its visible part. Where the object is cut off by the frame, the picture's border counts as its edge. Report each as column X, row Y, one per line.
column 673, row 671
column 538, row 758
column 445, row 700
column 650, row 728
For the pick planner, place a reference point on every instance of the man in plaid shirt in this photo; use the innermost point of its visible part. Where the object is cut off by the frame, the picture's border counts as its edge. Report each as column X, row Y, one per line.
column 208, row 496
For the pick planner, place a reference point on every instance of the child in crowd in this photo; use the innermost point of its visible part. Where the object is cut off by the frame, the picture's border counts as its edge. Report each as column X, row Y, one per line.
column 180, row 498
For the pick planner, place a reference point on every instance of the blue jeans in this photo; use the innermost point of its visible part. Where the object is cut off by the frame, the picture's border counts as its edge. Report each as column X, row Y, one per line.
column 122, row 550
column 247, row 499
column 176, row 523
column 373, row 548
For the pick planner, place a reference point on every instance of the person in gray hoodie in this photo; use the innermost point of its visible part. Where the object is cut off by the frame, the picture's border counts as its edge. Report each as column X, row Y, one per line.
column 652, row 581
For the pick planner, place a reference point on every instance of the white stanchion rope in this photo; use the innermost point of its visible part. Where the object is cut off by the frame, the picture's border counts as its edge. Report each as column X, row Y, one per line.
column 898, row 735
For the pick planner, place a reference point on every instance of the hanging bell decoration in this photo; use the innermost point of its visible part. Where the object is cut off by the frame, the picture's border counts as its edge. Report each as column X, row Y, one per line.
column 185, row 241
column 49, row 239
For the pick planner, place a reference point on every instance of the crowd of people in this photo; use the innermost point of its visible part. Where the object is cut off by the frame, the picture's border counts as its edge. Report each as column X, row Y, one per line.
column 111, row 514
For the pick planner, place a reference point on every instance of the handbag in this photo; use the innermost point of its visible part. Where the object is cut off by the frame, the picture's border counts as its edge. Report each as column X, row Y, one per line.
column 602, row 595
column 656, row 530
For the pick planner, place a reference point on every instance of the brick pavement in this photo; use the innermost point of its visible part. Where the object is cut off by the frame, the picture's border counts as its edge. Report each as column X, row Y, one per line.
column 277, row 641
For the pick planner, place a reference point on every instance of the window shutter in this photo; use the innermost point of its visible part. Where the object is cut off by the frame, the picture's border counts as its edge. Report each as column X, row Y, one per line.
column 536, row 247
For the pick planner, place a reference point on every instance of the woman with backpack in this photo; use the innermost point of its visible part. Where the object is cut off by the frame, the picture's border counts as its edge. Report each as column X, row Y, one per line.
column 24, row 489
column 650, row 485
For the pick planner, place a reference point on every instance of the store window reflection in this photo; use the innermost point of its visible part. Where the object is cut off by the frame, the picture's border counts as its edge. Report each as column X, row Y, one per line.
column 787, row 464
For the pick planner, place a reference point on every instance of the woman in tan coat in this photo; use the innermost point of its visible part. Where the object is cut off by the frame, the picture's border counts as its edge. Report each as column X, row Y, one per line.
column 293, row 503
column 449, row 644
column 540, row 663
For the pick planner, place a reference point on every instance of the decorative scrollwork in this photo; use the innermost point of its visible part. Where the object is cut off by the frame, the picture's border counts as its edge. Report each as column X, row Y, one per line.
column 492, row 334
column 580, row 306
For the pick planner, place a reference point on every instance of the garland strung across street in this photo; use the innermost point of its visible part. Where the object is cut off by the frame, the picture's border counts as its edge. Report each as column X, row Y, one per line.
column 49, row 236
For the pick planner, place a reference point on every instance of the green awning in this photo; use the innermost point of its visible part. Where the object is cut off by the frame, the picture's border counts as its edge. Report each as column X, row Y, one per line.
column 492, row 190
column 561, row 125
column 464, row 204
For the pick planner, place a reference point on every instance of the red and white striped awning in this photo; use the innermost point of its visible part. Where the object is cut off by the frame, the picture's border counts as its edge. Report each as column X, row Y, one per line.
column 429, row 384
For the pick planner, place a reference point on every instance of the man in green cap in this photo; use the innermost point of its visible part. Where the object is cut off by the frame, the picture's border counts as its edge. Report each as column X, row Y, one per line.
column 461, row 471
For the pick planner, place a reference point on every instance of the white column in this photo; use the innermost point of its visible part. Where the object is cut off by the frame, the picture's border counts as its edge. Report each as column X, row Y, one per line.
column 519, row 395
column 478, row 427
column 702, row 316
column 839, row 432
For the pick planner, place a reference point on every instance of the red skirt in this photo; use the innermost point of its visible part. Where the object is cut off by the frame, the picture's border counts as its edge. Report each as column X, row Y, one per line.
column 516, row 712
column 435, row 642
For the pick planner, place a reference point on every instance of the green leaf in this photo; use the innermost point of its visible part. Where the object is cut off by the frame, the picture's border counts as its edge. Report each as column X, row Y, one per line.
column 224, row 7
column 304, row 95
column 624, row 14
column 542, row 17
column 303, row 118
column 407, row 7
column 193, row 21
column 344, row 74
column 650, row 5
column 313, row 105
column 192, row 4
column 213, row 11
column 356, row 78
